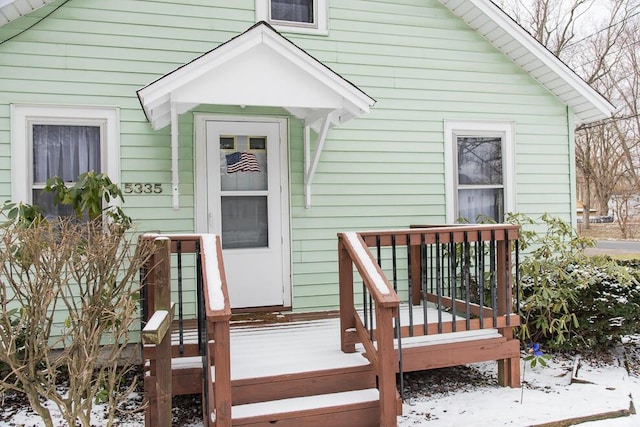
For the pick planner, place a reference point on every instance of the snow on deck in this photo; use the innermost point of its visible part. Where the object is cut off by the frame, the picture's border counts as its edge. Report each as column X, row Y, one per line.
column 287, row 348
column 259, row 351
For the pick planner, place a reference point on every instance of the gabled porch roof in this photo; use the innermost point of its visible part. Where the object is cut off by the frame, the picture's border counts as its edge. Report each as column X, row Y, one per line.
column 259, row 67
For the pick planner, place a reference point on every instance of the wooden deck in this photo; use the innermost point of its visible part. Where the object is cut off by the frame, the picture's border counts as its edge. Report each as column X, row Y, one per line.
column 339, row 371
column 282, row 370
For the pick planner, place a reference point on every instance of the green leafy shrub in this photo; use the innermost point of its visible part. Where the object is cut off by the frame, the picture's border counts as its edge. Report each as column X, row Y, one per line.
column 608, row 306
column 87, row 196
column 569, row 300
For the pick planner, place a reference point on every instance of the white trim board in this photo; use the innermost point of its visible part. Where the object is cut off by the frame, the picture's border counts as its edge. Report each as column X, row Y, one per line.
column 503, row 129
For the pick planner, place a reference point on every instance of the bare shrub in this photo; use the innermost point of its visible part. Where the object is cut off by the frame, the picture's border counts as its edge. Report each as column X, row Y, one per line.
column 71, row 287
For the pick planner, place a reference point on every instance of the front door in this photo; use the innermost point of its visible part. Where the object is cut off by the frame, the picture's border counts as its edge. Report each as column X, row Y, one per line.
column 244, row 206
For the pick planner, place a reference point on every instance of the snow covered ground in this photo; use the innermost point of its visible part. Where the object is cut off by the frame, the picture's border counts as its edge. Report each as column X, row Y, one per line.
column 549, row 394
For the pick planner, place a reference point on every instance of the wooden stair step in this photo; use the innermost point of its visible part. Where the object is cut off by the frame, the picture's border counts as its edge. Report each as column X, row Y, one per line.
column 301, row 384
column 345, row 409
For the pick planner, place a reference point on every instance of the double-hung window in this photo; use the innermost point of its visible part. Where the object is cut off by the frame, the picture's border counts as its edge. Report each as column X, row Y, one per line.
column 304, row 16
column 479, row 170
column 60, row 141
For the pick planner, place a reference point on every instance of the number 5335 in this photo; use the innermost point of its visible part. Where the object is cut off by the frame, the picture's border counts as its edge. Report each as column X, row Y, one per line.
column 142, row 188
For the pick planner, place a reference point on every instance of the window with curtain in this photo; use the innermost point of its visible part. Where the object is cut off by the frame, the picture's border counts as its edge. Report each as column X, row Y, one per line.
column 480, row 178
column 300, row 11
column 65, row 151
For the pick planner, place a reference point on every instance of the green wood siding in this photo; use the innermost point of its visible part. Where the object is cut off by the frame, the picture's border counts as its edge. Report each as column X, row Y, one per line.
column 384, row 170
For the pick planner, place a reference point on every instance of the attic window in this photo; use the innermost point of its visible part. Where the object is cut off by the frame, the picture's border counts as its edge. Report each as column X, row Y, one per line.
column 300, row 11
column 301, row 16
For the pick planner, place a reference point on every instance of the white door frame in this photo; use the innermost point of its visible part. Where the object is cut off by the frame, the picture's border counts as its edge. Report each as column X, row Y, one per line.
column 200, row 165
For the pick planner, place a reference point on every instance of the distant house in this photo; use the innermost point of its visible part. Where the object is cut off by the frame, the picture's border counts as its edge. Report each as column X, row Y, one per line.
column 278, row 124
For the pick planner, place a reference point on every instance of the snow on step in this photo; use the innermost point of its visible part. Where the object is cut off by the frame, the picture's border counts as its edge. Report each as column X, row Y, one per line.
column 304, row 403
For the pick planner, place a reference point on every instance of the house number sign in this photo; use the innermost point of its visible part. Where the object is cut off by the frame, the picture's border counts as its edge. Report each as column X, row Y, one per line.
column 142, row 188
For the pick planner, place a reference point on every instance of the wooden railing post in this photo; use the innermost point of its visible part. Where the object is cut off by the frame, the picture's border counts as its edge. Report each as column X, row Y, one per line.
column 508, row 369
column 163, row 350
column 386, row 366
column 158, row 332
column 218, row 393
column 347, row 309
column 222, row 393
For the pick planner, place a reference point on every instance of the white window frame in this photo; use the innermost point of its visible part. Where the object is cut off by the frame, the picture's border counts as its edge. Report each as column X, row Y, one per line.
column 455, row 128
column 320, row 26
column 24, row 116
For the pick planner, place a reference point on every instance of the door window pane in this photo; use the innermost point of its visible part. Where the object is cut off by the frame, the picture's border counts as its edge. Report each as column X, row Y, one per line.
column 244, row 222
column 292, row 10
column 243, row 170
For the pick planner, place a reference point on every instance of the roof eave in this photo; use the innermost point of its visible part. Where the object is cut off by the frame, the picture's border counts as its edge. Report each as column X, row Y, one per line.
column 599, row 107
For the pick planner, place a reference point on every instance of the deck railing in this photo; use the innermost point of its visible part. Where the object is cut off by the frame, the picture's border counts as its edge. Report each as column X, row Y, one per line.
column 202, row 305
column 384, row 303
column 444, row 279
column 461, row 277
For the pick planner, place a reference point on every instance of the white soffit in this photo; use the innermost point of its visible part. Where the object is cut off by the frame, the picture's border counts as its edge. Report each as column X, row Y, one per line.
column 259, row 67
column 10, row 10
column 511, row 39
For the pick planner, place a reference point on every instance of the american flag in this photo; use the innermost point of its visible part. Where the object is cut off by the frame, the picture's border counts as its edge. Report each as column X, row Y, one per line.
column 242, row 162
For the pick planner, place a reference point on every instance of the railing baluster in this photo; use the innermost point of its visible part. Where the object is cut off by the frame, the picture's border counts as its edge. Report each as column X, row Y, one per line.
column 200, row 301
column 394, row 263
column 180, row 300
column 439, row 281
column 409, row 285
column 467, row 279
column 507, row 283
column 144, row 295
column 365, row 306
column 452, row 279
column 517, row 269
column 423, row 284
column 492, row 269
column 480, row 276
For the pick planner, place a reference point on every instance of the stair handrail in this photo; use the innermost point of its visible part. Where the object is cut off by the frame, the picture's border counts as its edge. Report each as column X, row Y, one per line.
column 352, row 250
column 214, row 314
column 217, row 355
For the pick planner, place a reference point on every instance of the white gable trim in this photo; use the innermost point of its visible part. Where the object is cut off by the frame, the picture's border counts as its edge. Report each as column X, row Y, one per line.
column 511, row 39
column 259, row 67
column 333, row 92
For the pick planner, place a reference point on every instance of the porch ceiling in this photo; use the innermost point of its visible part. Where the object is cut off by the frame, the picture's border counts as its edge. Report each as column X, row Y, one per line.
column 259, row 67
column 10, row 10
